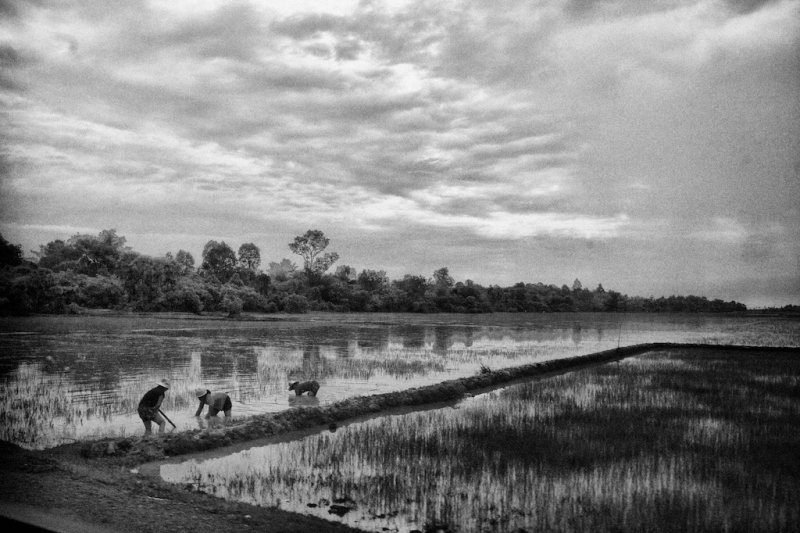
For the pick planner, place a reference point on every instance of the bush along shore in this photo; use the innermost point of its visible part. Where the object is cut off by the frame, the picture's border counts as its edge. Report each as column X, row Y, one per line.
column 137, row 450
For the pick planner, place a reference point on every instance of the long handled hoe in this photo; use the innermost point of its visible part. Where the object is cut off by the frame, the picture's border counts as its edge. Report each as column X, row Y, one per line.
column 167, row 418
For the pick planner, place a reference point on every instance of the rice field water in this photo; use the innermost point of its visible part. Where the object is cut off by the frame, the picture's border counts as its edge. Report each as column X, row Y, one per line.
column 668, row 441
column 67, row 378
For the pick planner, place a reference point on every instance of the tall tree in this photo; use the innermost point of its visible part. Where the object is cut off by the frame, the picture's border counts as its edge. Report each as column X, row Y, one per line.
column 10, row 254
column 219, row 260
column 249, row 256
column 310, row 247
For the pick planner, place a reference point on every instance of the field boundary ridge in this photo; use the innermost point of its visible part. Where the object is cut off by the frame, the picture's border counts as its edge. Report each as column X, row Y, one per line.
column 138, row 450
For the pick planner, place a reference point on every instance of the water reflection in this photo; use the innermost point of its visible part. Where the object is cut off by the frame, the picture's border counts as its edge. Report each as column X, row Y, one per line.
column 88, row 373
column 442, row 339
column 589, row 451
column 302, row 401
column 412, row 336
column 313, row 364
column 577, row 337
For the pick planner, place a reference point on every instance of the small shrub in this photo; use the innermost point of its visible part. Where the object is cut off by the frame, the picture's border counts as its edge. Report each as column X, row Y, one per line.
column 232, row 304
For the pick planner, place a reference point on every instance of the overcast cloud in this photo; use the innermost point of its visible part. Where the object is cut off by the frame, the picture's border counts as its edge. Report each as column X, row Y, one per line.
column 653, row 147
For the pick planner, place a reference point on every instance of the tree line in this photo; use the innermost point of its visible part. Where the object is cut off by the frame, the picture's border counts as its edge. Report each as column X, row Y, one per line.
column 102, row 272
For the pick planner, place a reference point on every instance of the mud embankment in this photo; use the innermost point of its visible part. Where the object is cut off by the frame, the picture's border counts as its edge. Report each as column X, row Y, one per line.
column 136, row 450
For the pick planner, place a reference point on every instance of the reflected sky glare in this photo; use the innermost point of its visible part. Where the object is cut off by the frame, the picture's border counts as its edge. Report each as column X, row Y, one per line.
column 68, row 378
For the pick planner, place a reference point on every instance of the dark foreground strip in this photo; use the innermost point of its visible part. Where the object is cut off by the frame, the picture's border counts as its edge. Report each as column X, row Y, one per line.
column 137, row 450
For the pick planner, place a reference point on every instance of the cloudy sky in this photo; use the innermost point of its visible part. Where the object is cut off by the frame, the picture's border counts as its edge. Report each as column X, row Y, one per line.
column 653, row 147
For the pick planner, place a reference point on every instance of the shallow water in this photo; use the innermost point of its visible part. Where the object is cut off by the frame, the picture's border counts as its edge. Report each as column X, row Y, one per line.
column 667, row 438
column 67, row 378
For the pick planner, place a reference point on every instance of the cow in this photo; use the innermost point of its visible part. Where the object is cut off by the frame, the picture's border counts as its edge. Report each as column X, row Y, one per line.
column 311, row 387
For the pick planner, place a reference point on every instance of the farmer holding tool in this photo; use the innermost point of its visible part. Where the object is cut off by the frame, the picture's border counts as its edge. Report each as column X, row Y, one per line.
column 150, row 407
column 216, row 401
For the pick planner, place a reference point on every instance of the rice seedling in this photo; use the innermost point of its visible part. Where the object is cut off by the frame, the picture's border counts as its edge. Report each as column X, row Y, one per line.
column 32, row 404
column 102, row 365
column 665, row 441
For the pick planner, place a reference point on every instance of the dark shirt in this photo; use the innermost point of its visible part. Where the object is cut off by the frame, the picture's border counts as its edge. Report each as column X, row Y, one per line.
column 152, row 397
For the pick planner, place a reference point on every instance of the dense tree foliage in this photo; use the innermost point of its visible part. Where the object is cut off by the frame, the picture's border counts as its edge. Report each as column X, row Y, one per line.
column 186, row 261
column 249, row 257
column 100, row 271
column 10, row 254
column 219, row 260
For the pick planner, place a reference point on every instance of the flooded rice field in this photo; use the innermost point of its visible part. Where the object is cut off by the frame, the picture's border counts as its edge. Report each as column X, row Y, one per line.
column 682, row 440
column 71, row 378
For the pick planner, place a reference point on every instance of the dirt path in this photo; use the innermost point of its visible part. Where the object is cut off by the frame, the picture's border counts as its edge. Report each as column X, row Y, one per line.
column 71, row 494
column 29, row 517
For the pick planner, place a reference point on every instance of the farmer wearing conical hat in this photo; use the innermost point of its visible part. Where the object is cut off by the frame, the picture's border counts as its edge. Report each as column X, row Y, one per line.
column 149, row 407
column 216, row 401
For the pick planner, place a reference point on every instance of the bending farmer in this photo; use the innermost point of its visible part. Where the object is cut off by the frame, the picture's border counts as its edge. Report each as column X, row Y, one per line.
column 216, row 401
column 150, row 404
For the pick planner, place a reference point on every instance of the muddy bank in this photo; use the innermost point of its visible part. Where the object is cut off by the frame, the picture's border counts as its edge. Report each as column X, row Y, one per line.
column 136, row 450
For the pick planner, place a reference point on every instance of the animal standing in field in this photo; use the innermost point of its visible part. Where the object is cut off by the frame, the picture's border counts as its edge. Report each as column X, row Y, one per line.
column 311, row 387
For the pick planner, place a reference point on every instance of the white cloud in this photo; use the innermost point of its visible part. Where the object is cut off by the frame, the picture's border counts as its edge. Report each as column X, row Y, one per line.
column 494, row 224
column 612, row 122
column 510, row 226
column 722, row 230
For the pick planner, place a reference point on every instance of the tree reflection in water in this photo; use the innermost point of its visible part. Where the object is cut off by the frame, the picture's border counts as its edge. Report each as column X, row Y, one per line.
column 81, row 377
